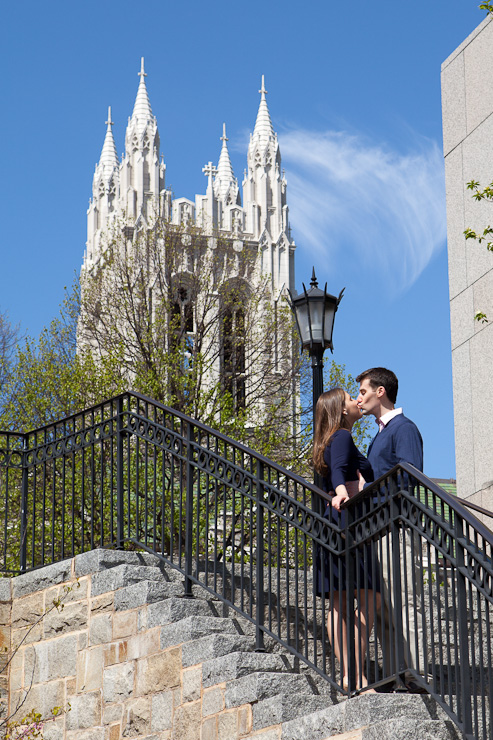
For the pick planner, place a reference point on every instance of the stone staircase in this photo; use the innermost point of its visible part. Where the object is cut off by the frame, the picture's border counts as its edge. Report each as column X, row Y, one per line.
column 288, row 700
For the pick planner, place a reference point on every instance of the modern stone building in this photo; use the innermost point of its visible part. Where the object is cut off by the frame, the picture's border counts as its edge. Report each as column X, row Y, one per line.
column 467, row 102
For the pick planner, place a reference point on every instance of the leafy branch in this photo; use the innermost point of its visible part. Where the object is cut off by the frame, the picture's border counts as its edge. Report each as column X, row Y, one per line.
column 481, row 194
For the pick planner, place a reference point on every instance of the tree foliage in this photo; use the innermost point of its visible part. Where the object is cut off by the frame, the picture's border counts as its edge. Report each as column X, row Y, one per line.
column 161, row 314
column 47, row 379
column 189, row 321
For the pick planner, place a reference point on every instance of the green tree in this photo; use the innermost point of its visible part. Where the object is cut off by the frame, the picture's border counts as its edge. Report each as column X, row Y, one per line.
column 157, row 315
column 46, row 379
column 190, row 322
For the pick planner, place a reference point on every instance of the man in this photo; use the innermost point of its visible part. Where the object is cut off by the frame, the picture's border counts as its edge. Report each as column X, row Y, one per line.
column 397, row 440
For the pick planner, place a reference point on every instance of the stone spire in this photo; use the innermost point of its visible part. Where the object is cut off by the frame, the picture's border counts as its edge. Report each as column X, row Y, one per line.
column 142, row 174
column 263, row 130
column 264, row 200
column 109, row 158
column 142, row 113
column 225, row 176
column 105, row 194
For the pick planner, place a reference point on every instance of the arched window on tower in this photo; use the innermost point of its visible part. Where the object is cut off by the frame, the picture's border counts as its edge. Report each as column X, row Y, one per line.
column 233, row 344
column 182, row 323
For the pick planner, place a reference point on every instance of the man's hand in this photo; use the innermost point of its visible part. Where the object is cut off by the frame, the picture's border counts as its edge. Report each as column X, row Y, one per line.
column 361, row 481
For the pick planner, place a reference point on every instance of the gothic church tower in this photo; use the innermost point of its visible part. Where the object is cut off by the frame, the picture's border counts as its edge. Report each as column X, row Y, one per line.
column 134, row 191
column 246, row 247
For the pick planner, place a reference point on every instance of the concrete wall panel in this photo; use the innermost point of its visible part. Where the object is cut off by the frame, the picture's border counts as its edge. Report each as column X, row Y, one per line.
column 454, row 183
column 464, row 445
column 453, row 104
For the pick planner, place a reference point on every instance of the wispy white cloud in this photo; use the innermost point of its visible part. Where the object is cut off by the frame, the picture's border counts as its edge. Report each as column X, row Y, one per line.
column 356, row 203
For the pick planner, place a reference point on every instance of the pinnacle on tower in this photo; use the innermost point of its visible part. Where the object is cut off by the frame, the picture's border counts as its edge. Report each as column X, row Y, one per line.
column 263, row 130
column 109, row 157
column 225, row 175
column 142, row 112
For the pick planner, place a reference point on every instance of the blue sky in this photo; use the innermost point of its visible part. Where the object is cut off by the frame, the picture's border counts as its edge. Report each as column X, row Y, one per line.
column 354, row 94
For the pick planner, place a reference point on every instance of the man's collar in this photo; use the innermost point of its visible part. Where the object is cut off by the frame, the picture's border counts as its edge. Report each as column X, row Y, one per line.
column 384, row 420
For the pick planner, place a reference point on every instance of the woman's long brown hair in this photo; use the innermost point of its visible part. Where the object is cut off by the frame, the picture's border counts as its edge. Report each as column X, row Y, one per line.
column 329, row 417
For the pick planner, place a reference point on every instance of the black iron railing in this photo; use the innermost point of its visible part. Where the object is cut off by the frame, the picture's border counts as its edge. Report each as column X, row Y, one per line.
column 132, row 473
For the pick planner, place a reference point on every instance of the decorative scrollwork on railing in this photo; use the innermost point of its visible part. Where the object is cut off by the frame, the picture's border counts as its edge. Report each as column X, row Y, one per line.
column 131, row 471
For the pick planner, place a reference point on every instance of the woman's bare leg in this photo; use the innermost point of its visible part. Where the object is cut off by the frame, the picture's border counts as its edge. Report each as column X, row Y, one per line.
column 337, row 631
column 363, row 624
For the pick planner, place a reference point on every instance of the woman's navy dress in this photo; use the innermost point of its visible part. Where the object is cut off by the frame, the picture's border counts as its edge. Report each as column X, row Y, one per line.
column 343, row 460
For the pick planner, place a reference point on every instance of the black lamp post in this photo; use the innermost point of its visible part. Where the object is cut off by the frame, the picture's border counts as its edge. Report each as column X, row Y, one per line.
column 315, row 312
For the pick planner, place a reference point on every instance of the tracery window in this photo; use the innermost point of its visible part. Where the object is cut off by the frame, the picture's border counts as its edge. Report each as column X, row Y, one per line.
column 233, row 354
column 182, row 323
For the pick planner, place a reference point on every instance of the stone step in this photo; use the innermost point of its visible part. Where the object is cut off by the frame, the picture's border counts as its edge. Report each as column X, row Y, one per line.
column 174, row 609
column 237, row 664
column 124, row 575
column 146, row 592
column 259, row 686
column 284, row 707
column 214, row 647
column 360, row 713
column 410, row 729
column 194, row 627
column 96, row 561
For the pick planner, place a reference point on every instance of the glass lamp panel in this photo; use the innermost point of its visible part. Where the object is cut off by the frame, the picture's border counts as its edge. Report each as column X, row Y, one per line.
column 330, row 312
column 316, row 314
column 302, row 316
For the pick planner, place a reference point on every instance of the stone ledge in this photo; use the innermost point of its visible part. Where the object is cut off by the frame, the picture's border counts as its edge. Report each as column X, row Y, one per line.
column 145, row 592
column 6, row 590
column 101, row 559
column 121, row 576
column 41, row 578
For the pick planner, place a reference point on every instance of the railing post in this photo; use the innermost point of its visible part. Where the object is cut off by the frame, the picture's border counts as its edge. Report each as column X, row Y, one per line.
column 189, row 513
column 350, row 560
column 464, row 665
column 24, row 497
column 119, row 476
column 260, row 560
column 395, row 588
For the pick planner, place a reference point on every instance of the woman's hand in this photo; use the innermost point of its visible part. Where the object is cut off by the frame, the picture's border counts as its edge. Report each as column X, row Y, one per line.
column 361, row 481
column 340, row 497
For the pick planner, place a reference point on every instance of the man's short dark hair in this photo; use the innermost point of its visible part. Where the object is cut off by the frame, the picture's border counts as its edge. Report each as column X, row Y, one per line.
column 378, row 376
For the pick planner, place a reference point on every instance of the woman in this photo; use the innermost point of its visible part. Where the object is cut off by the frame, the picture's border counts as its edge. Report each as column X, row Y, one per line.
column 345, row 471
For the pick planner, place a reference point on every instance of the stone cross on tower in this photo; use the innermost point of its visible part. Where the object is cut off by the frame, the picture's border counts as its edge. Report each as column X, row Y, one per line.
column 210, row 171
column 109, row 122
column 262, row 90
column 144, row 74
column 224, row 137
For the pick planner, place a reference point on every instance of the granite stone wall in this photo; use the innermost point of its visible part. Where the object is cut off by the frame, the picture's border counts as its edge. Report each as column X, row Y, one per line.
column 129, row 656
column 119, row 671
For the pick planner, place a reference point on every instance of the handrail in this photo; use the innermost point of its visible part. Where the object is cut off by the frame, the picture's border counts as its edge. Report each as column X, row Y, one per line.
column 475, row 507
column 131, row 472
column 461, row 505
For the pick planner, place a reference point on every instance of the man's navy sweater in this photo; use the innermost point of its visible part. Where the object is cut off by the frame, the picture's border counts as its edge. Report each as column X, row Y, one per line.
column 399, row 441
